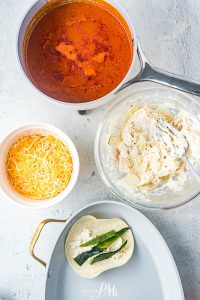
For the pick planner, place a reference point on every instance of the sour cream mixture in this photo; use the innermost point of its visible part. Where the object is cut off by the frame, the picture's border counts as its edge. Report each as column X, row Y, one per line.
column 143, row 159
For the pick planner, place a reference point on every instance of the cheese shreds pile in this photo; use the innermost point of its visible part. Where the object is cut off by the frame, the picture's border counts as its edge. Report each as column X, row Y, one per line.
column 38, row 166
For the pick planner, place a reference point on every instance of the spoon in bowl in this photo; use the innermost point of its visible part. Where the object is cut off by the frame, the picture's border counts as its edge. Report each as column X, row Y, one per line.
column 175, row 142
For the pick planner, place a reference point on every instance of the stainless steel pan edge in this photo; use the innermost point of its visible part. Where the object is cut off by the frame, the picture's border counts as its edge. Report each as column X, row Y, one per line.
column 151, row 73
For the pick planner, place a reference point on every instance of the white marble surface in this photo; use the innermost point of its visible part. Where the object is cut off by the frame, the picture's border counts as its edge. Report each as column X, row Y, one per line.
column 169, row 31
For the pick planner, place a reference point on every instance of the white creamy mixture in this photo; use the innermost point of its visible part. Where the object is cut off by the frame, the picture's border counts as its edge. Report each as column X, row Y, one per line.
column 82, row 238
column 143, row 159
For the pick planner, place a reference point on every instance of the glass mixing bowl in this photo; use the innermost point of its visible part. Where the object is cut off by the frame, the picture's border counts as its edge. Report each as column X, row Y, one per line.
column 159, row 198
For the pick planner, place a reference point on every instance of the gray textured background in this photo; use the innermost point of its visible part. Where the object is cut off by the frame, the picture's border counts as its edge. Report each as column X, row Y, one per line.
column 169, row 31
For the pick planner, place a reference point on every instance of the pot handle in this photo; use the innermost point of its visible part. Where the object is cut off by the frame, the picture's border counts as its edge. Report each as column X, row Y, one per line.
column 150, row 73
column 36, row 237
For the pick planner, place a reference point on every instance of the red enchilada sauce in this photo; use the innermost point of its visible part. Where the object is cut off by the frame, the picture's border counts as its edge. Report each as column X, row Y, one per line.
column 77, row 51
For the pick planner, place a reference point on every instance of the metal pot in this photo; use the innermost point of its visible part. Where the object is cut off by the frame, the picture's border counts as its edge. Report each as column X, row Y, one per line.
column 147, row 71
column 78, row 106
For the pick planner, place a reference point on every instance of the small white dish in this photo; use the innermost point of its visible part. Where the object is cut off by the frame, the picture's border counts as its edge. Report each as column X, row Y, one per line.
column 36, row 128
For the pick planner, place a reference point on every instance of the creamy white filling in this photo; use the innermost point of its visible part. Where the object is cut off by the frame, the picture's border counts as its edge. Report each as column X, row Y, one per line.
column 84, row 236
column 144, row 158
column 115, row 245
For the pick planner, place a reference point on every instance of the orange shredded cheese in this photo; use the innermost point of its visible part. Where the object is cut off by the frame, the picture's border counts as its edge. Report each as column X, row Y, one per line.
column 38, row 166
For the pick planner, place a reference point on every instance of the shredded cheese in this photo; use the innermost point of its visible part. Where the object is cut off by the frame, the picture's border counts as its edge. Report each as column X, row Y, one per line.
column 38, row 166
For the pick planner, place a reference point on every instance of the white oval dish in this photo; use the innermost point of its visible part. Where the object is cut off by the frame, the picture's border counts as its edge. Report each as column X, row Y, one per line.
column 36, row 128
column 150, row 274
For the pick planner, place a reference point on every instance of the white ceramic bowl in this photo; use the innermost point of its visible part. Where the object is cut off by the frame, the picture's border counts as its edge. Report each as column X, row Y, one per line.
column 158, row 199
column 36, row 128
column 78, row 106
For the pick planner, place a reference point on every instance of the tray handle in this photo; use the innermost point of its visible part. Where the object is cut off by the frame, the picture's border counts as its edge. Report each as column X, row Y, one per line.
column 36, row 237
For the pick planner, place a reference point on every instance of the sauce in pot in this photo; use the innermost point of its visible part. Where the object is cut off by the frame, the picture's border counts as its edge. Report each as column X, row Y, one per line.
column 77, row 51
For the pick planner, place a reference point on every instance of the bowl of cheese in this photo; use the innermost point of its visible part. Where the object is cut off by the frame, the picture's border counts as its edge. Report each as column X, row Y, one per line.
column 133, row 160
column 39, row 165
